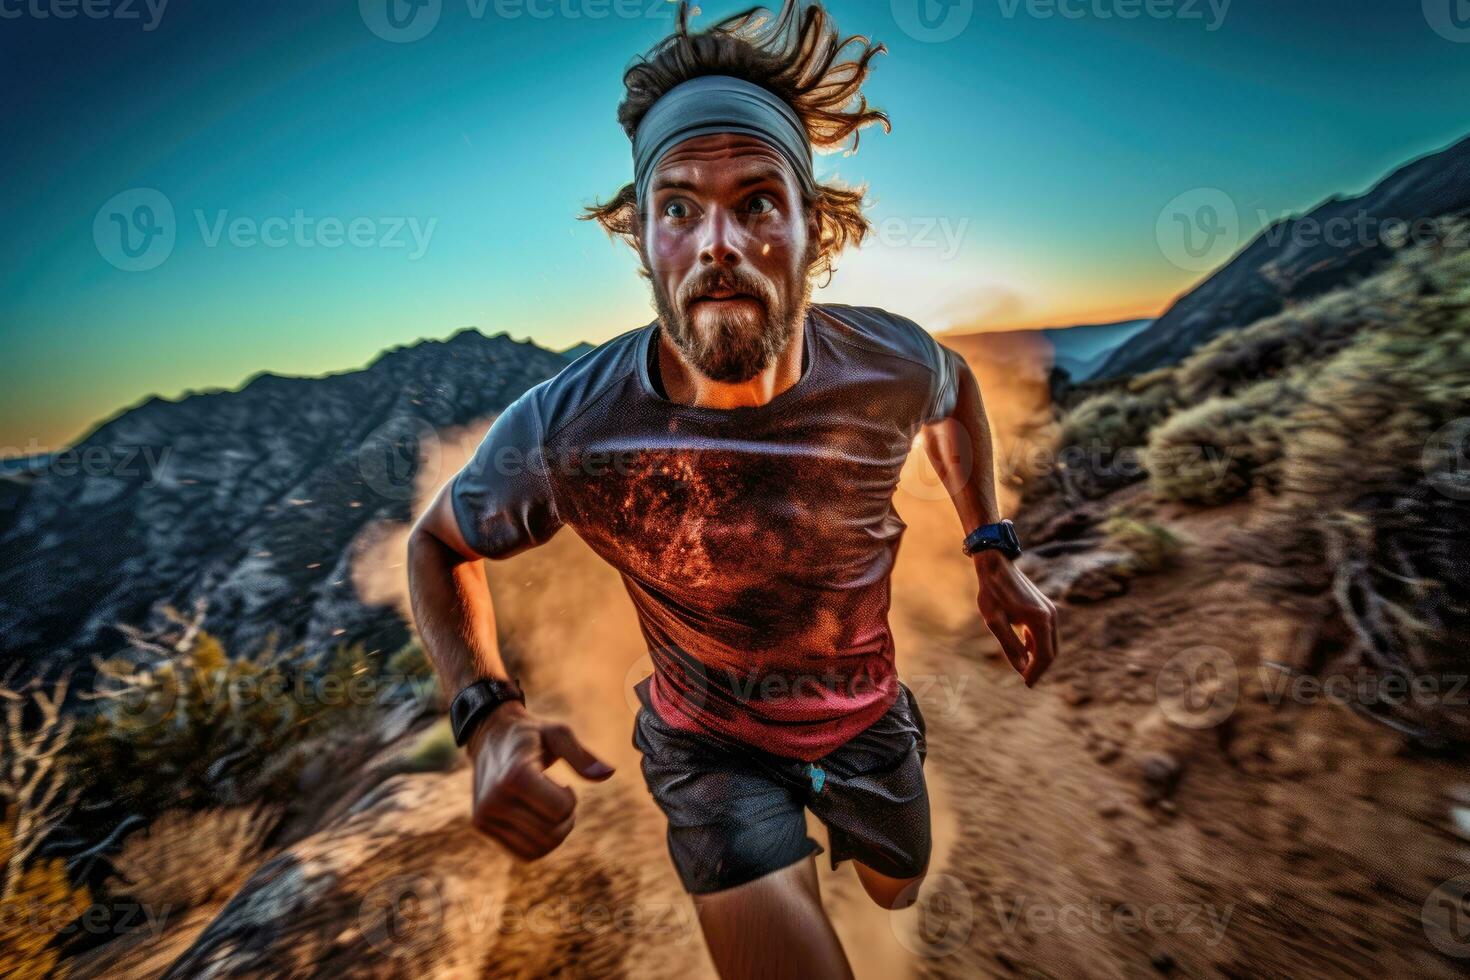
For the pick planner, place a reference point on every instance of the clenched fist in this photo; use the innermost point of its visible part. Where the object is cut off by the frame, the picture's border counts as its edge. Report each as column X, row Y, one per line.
column 515, row 802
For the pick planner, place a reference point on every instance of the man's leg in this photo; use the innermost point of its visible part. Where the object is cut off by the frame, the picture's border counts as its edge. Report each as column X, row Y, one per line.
column 774, row 926
column 875, row 804
column 891, row 893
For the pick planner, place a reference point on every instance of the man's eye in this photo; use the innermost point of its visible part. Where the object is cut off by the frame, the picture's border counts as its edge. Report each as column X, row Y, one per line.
column 676, row 209
column 761, row 204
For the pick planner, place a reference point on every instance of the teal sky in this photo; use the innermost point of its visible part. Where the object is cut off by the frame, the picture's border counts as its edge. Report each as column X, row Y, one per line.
column 1029, row 162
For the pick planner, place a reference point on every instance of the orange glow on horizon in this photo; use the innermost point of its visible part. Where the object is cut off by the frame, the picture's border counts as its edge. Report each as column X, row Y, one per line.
column 1069, row 316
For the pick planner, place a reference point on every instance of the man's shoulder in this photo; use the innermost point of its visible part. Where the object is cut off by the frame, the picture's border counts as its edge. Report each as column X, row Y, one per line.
column 564, row 395
column 880, row 331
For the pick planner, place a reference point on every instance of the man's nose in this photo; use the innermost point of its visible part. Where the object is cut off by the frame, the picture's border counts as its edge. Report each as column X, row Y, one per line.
column 721, row 244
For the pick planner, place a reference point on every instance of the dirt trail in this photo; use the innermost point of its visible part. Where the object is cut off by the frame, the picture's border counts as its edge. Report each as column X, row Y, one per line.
column 1080, row 828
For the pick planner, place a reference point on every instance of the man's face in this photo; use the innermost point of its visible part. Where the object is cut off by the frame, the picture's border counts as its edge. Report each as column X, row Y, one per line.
column 727, row 244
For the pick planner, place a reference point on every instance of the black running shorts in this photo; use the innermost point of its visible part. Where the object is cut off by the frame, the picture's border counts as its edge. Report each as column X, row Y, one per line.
column 737, row 813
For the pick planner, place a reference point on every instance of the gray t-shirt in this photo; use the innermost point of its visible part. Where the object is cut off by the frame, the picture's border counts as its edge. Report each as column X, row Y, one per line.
column 756, row 543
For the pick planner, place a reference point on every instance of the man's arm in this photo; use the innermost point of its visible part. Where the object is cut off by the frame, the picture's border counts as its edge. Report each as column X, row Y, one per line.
column 514, row 801
column 1023, row 620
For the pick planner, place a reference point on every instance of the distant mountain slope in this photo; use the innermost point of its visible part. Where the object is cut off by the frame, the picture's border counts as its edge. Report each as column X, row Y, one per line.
column 1298, row 258
column 1079, row 350
column 1082, row 349
column 250, row 499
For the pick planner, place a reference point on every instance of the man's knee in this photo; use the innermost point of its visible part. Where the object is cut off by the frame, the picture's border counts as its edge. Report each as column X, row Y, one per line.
column 893, row 894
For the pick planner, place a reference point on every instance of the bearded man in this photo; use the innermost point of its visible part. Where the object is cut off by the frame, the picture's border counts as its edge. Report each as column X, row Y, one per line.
column 736, row 461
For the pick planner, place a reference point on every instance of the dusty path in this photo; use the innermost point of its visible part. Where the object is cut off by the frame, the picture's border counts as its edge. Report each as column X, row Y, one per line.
column 1079, row 830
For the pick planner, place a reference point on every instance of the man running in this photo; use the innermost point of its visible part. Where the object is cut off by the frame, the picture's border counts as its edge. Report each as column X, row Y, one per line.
column 735, row 460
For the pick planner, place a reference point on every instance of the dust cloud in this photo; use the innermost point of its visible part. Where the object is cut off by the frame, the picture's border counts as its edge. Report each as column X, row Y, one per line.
column 569, row 631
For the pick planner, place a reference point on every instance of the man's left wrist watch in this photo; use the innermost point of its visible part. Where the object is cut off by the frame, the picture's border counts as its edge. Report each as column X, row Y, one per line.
column 1000, row 536
column 474, row 704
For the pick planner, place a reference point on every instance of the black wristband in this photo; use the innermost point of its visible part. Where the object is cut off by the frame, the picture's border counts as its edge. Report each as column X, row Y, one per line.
column 478, row 700
column 1000, row 536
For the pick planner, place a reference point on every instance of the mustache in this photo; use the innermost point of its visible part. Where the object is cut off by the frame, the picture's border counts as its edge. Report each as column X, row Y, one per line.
column 724, row 279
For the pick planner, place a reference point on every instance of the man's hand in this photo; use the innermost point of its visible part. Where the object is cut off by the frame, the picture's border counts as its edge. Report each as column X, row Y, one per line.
column 1021, row 617
column 515, row 802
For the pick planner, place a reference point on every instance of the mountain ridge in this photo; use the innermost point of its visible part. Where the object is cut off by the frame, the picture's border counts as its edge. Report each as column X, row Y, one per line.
column 250, row 500
column 1273, row 268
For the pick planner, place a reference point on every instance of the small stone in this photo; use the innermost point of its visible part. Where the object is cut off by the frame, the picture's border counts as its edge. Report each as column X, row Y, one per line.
column 1075, row 696
column 1160, row 769
column 1136, row 670
column 1110, row 809
column 1161, row 960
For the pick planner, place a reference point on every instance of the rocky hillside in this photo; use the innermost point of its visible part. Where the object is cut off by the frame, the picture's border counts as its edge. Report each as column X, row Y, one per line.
column 250, row 500
column 1333, row 245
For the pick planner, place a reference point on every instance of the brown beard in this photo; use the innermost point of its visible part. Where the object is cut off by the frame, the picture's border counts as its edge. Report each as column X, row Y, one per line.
column 740, row 344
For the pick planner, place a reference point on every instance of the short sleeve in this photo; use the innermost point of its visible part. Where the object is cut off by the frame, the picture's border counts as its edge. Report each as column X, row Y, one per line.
column 946, row 384
column 502, row 498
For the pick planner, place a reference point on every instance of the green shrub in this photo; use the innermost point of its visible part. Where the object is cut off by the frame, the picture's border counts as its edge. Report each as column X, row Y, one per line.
column 411, row 663
column 1151, row 547
column 433, row 751
column 1217, row 450
column 1099, row 440
column 199, row 729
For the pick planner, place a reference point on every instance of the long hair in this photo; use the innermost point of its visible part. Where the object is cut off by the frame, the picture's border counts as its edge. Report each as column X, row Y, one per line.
column 795, row 60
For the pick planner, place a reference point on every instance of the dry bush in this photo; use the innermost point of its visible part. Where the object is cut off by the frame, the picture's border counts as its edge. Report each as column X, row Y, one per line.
column 1300, row 334
column 1095, row 440
column 37, row 902
column 1348, row 415
column 1386, row 503
column 187, row 858
column 35, row 793
column 1218, row 450
column 182, row 723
